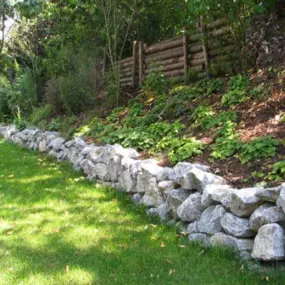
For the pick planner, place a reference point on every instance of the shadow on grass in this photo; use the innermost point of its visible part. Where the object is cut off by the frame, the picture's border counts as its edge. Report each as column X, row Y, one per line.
column 59, row 221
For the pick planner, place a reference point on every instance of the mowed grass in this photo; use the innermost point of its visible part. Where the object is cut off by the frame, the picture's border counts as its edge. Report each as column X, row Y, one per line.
column 57, row 228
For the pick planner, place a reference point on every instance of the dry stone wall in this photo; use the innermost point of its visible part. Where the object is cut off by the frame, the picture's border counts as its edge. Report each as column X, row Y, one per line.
column 249, row 220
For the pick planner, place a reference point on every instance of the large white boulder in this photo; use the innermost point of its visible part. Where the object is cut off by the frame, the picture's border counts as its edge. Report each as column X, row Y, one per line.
column 214, row 194
column 191, row 209
column 198, row 179
column 269, row 194
column 266, row 214
column 243, row 202
column 235, row 226
column 269, row 243
column 210, row 222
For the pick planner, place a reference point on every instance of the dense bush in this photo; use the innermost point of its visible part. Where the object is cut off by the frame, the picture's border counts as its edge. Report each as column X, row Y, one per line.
column 237, row 91
column 5, row 91
column 41, row 113
column 258, row 148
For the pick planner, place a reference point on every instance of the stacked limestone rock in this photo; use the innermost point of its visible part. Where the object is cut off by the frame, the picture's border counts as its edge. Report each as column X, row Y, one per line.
column 249, row 220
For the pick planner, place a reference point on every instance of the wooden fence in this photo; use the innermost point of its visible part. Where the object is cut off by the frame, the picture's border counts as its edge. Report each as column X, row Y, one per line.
column 191, row 53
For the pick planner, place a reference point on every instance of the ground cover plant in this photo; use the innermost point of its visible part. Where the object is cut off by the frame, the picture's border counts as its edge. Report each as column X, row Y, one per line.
column 192, row 122
column 57, row 228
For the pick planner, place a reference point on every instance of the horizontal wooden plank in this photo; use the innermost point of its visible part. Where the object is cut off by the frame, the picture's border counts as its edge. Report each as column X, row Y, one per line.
column 126, row 79
column 176, row 52
column 164, row 47
column 220, row 32
column 197, row 55
column 226, row 57
column 220, row 51
column 197, row 68
column 196, row 62
column 127, row 64
column 126, row 73
column 126, row 60
column 126, row 84
column 216, row 24
column 193, row 38
column 174, row 73
column 165, row 62
column 165, row 68
column 166, row 41
column 195, row 48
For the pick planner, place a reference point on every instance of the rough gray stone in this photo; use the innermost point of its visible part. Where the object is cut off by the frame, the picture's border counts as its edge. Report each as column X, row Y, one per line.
column 137, row 198
column 152, row 197
column 182, row 168
column 214, row 194
column 244, row 202
column 201, row 238
column 101, row 171
column 127, row 183
column 163, row 211
column 210, row 222
column 43, row 146
column 221, row 239
column 89, row 169
column 269, row 194
column 198, row 180
column 242, row 245
column 176, row 197
column 235, row 226
column 192, row 228
column 266, row 214
column 148, row 170
column 191, row 209
column 281, row 199
column 56, row 144
column 269, row 243
column 166, row 185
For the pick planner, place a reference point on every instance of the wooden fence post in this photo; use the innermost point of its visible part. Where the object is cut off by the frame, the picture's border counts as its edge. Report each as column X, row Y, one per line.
column 205, row 44
column 135, row 60
column 141, row 62
column 185, row 54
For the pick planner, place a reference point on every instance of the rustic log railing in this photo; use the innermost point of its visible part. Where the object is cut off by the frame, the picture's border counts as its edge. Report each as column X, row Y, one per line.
column 197, row 51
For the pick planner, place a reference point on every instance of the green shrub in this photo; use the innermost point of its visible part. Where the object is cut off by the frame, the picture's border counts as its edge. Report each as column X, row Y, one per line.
column 237, row 91
column 203, row 116
column 24, row 92
column 278, row 171
column 52, row 94
column 189, row 148
column 68, row 126
column 161, row 129
column 19, row 122
column 76, row 88
column 258, row 92
column 154, row 84
column 225, row 147
column 54, row 124
column 210, row 86
column 228, row 129
column 5, row 91
column 234, row 97
column 185, row 92
column 41, row 113
column 114, row 116
column 191, row 76
column 258, row 148
column 96, row 127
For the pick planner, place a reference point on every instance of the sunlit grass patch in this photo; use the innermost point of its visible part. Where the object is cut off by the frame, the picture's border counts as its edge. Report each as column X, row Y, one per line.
column 57, row 228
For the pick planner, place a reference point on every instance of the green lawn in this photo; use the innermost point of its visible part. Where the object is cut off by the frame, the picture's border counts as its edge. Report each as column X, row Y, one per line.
column 56, row 228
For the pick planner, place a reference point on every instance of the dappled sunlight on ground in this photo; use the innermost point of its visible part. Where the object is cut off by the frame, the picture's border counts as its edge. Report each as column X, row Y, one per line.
column 57, row 228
